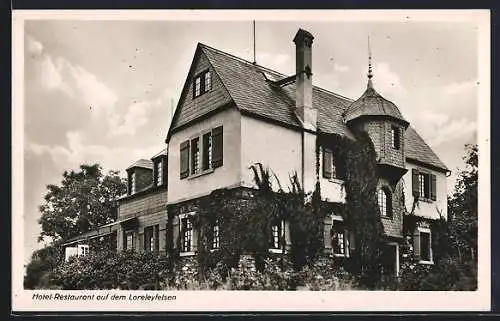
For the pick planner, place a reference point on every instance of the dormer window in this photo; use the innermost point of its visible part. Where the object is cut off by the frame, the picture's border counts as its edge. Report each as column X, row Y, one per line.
column 202, row 83
column 132, row 183
column 395, row 137
column 159, row 172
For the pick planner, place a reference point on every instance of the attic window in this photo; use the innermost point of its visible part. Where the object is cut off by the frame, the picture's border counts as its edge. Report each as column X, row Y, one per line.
column 132, row 183
column 202, row 83
column 159, row 172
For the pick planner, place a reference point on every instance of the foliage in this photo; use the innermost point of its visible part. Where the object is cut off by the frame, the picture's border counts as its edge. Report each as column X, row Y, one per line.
column 100, row 270
column 84, row 200
column 358, row 162
column 463, row 208
column 42, row 262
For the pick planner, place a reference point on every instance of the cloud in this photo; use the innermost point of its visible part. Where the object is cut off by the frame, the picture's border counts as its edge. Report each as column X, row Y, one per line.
column 453, row 130
column 51, row 77
column 79, row 151
column 463, row 87
column 274, row 61
column 387, row 81
column 340, row 68
column 34, row 46
column 94, row 92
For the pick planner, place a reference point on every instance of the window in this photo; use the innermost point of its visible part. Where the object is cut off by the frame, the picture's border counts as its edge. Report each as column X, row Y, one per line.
column 83, row 249
column 159, row 172
column 202, row 83
column 422, row 244
column 132, row 183
column 195, row 156
column 277, row 231
column 129, row 240
column 384, row 202
column 201, row 154
column 329, row 166
column 151, row 238
column 395, row 137
column 338, row 242
column 207, row 151
column 425, row 246
column 424, row 185
column 216, row 236
column 187, row 234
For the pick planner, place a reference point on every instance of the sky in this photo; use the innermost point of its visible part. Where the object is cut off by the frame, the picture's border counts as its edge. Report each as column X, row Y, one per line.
column 104, row 91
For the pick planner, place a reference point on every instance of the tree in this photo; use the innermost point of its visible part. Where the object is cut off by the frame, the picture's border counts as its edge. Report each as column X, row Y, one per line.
column 463, row 210
column 84, row 200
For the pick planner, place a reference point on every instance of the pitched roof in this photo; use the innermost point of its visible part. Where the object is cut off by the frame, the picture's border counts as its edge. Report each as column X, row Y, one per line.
column 143, row 163
column 251, row 88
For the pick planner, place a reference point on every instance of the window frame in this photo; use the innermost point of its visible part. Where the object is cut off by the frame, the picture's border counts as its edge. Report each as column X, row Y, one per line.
column 132, row 182
column 385, row 208
column 159, row 172
column 425, row 230
column 203, row 168
column 126, row 234
column 215, row 245
column 200, row 83
column 279, row 238
column 151, row 243
column 332, row 166
column 183, row 251
column 395, row 137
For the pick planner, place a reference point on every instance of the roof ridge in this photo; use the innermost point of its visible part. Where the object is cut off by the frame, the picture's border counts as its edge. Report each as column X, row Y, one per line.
column 271, row 70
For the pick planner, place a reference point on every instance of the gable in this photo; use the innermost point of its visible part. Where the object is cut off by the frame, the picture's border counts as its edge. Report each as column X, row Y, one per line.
column 250, row 88
column 191, row 108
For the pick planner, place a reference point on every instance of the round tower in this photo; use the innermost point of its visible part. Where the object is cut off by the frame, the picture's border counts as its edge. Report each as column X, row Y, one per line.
column 385, row 125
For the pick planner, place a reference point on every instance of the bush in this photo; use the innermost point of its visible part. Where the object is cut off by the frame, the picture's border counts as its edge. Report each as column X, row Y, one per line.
column 447, row 275
column 105, row 270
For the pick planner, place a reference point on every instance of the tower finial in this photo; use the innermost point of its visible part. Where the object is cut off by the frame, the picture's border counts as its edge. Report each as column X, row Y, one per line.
column 370, row 71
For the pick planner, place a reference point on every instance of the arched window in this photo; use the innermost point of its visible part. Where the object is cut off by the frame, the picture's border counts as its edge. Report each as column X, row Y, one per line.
column 384, row 202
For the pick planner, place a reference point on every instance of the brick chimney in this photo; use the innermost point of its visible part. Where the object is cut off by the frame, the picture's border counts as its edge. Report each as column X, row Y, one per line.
column 303, row 93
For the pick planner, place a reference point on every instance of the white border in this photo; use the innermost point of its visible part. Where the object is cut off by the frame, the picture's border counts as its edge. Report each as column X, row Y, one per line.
column 261, row 300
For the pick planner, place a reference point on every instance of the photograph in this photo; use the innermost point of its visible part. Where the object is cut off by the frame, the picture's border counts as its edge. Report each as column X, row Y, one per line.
column 162, row 157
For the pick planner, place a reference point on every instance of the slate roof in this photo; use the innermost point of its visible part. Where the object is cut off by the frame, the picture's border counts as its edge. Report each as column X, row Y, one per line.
column 371, row 103
column 143, row 163
column 251, row 88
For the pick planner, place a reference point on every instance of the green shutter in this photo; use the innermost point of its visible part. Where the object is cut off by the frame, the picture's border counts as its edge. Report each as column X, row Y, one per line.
column 414, row 182
column 327, row 163
column 184, row 154
column 217, row 147
column 433, row 187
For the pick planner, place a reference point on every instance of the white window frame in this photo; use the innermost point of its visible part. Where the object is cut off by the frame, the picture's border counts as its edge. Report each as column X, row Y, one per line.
column 159, row 172
column 133, row 182
column 201, row 154
column 130, row 233
column 427, row 231
column 181, row 233
column 85, row 249
column 281, row 237
column 216, row 237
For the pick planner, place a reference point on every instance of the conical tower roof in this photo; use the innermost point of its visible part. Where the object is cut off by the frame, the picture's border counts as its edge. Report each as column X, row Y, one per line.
column 372, row 104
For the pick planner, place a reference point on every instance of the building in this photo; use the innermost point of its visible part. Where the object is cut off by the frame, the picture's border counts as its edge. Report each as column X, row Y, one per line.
column 233, row 113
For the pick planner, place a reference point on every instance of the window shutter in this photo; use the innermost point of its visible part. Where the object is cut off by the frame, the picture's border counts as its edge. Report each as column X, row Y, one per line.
column 327, row 163
column 217, row 147
column 194, row 245
column 184, row 159
column 327, row 232
column 141, row 241
column 175, row 232
column 414, row 181
column 157, row 238
column 416, row 243
column 433, row 187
